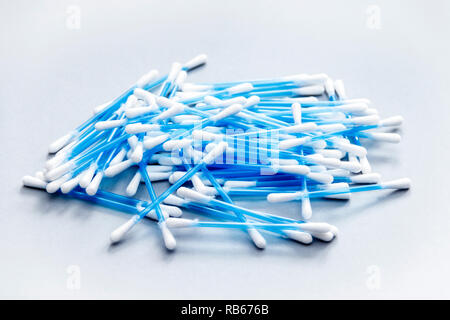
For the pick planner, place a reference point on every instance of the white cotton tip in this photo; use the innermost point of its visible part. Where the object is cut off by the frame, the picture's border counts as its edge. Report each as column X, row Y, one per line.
column 296, row 77
column 318, row 78
column 145, row 95
column 292, row 143
column 205, row 135
column 239, row 184
column 385, row 137
column 197, row 95
column 101, row 107
column 118, row 234
column 252, row 101
column 299, row 236
column 172, row 211
column 350, row 148
column 235, row 100
column 180, row 222
column 321, row 160
column 331, row 127
column 212, row 101
column 159, row 168
column 338, row 186
column 217, row 151
column 138, row 153
column 33, row 182
column 366, row 178
column 118, row 157
column 320, row 177
column 306, row 209
column 317, row 168
column 370, row 111
column 69, row 185
column 57, row 172
column 174, row 201
column 317, row 145
column 326, row 236
column 352, row 166
column 138, row 111
column 257, row 238
column 92, row 188
column 133, row 141
column 227, row 112
column 40, row 175
column 181, row 78
column 56, row 161
column 331, row 153
column 59, row 143
column 87, row 175
column 198, row 184
column 134, row 184
column 365, row 165
column 177, row 175
column 404, row 183
column 172, row 111
column 297, row 112
column 339, row 172
column 334, row 230
column 186, row 119
column 352, row 107
column 114, row 170
column 169, row 240
column 176, row 144
column 165, row 102
column 210, row 191
column 152, row 214
column 299, row 128
column 240, row 88
column 316, row 90
column 147, row 78
column 295, row 169
column 366, row 120
column 320, row 227
column 284, row 197
column 329, row 87
column 193, row 195
column 196, row 61
column 131, row 102
column 173, row 72
column 304, row 99
column 188, row 87
column 391, row 122
column 340, row 89
column 135, row 128
column 158, row 176
column 109, row 124
column 216, row 102
column 210, row 146
column 150, row 143
column 170, row 161
column 54, row 186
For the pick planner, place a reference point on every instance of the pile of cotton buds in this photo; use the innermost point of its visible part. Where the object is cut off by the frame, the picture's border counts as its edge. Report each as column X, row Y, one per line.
column 269, row 138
